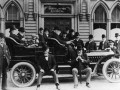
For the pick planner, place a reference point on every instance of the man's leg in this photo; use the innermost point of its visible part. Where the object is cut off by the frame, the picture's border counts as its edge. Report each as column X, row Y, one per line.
column 4, row 75
column 55, row 79
column 88, row 72
column 75, row 77
column 39, row 80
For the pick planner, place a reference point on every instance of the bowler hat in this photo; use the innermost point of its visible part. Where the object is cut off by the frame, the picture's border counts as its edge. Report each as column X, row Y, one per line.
column 116, row 34
column 90, row 36
column 21, row 29
column 77, row 34
column 103, row 36
column 2, row 35
column 40, row 29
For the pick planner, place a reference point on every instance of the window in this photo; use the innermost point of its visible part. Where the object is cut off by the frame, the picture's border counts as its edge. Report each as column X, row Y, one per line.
column 13, row 13
column 100, row 15
column 116, row 14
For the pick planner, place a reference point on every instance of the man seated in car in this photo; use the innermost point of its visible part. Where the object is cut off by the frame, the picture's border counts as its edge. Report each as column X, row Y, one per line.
column 56, row 35
column 21, row 34
column 14, row 34
column 104, row 43
column 90, row 45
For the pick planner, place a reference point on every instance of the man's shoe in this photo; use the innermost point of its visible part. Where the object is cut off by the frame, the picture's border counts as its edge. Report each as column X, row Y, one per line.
column 88, row 85
column 57, row 87
column 75, row 86
column 38, row 87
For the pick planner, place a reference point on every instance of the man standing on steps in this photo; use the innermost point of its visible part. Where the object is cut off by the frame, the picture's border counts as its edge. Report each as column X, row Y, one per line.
column 47, row 65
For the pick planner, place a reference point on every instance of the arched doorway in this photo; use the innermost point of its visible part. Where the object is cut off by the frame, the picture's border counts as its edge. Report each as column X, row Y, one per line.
column 12, row 16
column 100, row 22
column 115, row 24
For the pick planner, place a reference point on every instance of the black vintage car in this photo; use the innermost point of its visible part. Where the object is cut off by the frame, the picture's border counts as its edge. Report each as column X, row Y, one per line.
column 24, row 67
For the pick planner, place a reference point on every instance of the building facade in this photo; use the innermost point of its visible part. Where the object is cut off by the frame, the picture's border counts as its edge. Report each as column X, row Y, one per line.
column 95, row 17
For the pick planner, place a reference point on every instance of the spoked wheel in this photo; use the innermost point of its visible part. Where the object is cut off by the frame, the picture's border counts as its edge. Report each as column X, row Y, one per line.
column 23, row 74
column 111, row 70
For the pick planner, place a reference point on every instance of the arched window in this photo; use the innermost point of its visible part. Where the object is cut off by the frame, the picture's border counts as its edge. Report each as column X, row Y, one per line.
column 12, row 16
column 100, row 18
column 13, row 13
column 115, row 17
column 115, row 24
column 100, row 22
column 116, row 14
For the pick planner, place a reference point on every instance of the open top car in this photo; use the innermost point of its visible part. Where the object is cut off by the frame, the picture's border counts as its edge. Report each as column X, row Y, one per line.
column 24, row 67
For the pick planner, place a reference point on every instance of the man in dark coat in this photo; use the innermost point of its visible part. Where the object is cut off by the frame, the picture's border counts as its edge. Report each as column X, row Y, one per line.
column 78, row 42
column 81, row 65
column 4, row 62
column 14, row 34
column 90, row 45
column 21, row 34
column 42, row 41
column 104, row 43
column 56, row 35
column 47, row 65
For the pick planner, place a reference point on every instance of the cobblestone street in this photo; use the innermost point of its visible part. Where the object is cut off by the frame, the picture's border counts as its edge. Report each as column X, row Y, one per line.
column 97, row 83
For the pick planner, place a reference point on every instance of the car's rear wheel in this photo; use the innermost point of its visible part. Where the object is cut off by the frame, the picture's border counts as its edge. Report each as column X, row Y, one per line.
column 23, row 74
column 111, row 70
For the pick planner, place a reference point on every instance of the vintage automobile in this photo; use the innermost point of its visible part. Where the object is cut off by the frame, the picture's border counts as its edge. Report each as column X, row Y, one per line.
column 24, row 67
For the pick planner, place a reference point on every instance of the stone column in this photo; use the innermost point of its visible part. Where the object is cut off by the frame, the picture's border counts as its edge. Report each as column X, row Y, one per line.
column 91, row 26
column 3, row 25
column 108, row 28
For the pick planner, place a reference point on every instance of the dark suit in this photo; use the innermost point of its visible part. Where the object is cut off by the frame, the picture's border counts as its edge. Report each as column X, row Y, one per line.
column 79, row 67
column 103, row 46
column 16, row 38
column 78, row 43
column 42, row 41
column 20, row 36
column 47, row 66
column 4, row 63
column 90, row 45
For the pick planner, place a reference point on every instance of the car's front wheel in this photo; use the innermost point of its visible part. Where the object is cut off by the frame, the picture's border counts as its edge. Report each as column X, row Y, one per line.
column 111, row 70
column 23, row 74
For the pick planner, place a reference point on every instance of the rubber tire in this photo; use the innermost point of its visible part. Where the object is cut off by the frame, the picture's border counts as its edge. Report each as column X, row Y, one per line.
column 28, row 65
column 105, row 67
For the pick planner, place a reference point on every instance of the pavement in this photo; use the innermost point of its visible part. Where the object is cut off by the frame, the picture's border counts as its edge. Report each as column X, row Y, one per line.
column 66, row 83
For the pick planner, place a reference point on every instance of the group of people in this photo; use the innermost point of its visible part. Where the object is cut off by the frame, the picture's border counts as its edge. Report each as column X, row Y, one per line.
column 47, row 63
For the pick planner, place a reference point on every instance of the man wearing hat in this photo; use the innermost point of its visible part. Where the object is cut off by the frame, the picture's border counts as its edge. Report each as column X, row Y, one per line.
column 64, row 36
column 116, row 39
column 117, row 42
column 4, row 62
column 104, row 43
column 42, row 41
column 78, row 42
column 21, row 34
column 14, row 34
column 56, row 35
column 112, row 47
column 81, row 65
column 90, row 45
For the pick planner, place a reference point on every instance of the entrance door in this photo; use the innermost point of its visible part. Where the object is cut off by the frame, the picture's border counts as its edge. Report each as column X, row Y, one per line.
column 62, row 23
